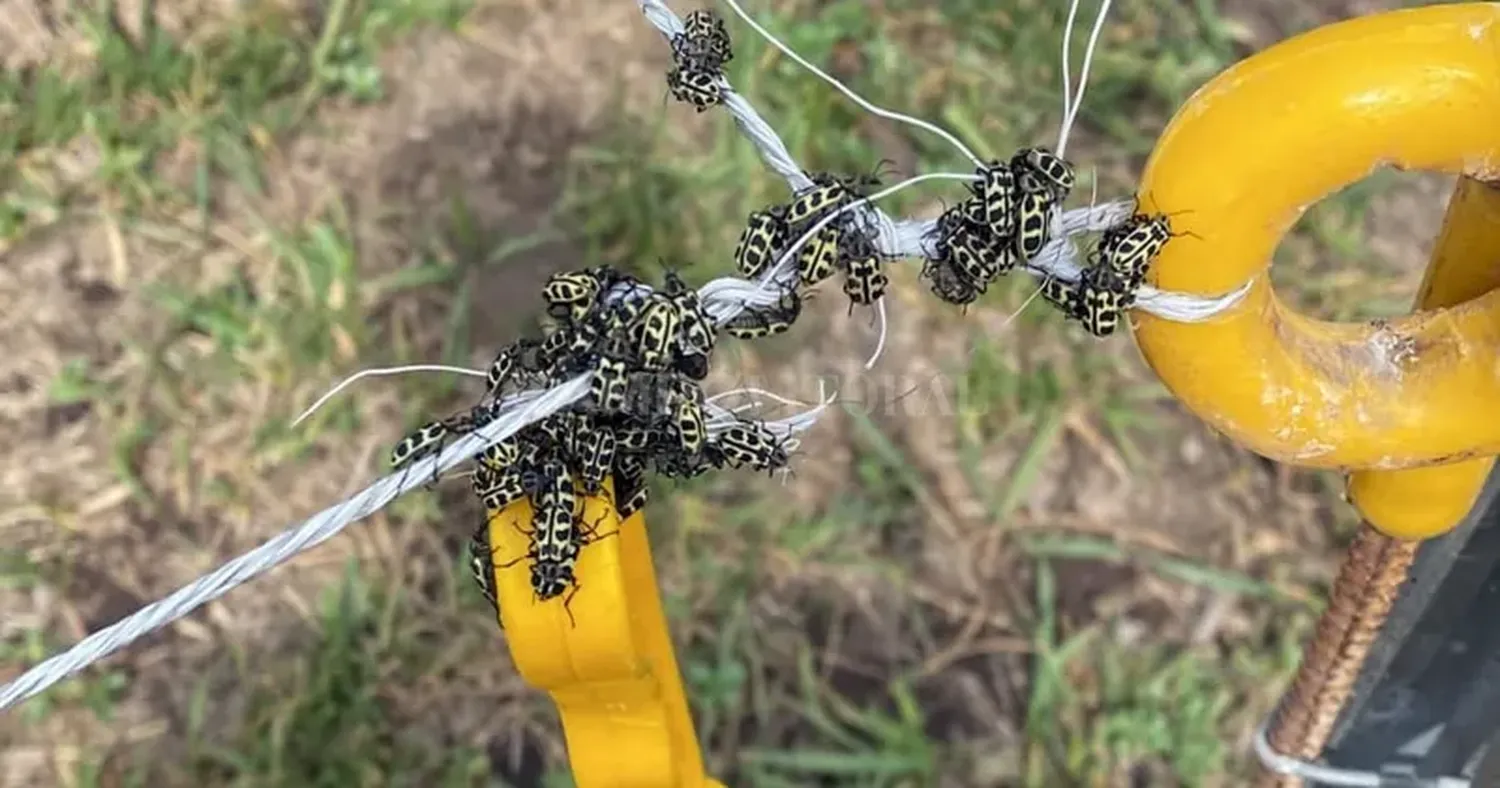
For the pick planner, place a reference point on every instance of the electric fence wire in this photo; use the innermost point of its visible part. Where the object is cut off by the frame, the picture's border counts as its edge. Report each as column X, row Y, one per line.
column 723, row 297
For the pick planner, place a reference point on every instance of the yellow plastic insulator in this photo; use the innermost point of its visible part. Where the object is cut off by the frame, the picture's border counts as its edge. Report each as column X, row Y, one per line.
column 1419, row 503
column 610, row 669
column 1417, row 89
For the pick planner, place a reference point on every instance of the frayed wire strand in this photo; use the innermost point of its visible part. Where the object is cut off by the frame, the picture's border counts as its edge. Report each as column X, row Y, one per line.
column 884, row 328
column 1070, row 113
column 864, row 104
column 1067, row 76
column 380, row 371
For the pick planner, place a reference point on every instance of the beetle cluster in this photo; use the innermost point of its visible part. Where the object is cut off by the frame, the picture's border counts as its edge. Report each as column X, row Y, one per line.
column 1117, row 268
column 699, row 53
column 1005, row 222
column 840, row 245
column 643, row 352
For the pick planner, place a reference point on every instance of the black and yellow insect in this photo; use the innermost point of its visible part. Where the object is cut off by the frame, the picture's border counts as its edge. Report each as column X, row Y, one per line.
column 766, row 321
column 1033, row 224
column 594, row 451
column 948, row 284
column 497, row 489
column 588, row 338
column 571, row 294
column 697, row 335
column 556, row 507
column 748, row 445
column 700, row 89
column 977, row 255
column 607, row 386
column 1061, row 294
column 552, row 577
column 482, row 565
column 1043, row 180
column 654, row 333
column 994, row 203
column 1041, row 170
column 1130, row 248
column 971, row 211
column 634, row 439
column 1102, row 300
column 533, row 454
column 764, row 236
column 828, row 193
column 631, row 492
column 622, row 312
column 818, row 258
column 558, row 433
column 1098, row 299
column 554, row 550
column 557, row 537
column 612, row 333
column 865, row 280
column 430, row 438
column 569, row 349
column 554, row 345
column 704, row 43
column 687, row 415
column 507, row 362
column 424, row 441
column 502, row 455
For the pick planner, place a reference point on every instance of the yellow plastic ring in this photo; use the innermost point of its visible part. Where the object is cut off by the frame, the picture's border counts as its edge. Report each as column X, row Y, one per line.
column 1420, row 503
column 1417, row 89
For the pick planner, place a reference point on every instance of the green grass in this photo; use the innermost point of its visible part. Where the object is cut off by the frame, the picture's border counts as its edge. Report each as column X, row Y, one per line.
column 378, row 677
column 1098, row 707
column 323, row 722
column 216, row 106
column 97, row 691
column 225, row 97
column 880, row 741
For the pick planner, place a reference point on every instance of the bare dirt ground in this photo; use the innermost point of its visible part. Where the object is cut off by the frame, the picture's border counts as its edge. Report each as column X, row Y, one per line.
column 111, row 492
